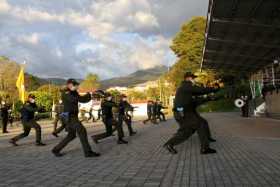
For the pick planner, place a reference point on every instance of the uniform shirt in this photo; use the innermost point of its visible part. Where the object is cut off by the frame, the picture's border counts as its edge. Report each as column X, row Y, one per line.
column 71, row 99
column 184, row 95
column 160, row 107
column 28, row 110
column 4, row 111
column 58, row 108
column 107, row 108
column 124, row 106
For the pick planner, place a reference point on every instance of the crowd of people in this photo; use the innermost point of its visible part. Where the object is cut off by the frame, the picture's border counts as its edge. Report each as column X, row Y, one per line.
column 188, row 97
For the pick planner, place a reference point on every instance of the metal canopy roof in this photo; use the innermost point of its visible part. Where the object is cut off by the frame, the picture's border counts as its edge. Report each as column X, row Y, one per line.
column 242, row 35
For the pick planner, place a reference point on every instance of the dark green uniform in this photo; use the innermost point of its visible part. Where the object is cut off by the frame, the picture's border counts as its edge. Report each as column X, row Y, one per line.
column 109, row 122
column 28, row 121
column 4, row 115
column 58, row 110
column 124, row 106
column 190, row 121
column 73, row 125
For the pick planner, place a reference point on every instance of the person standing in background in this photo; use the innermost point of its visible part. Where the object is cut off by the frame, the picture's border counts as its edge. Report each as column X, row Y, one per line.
column 4, row 111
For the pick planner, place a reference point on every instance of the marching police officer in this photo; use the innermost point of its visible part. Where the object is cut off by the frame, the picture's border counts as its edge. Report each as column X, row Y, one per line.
column 70, row 99
column 58, row 109
column 150, row 112
column 28, row 121
column 108, row 119
column 186, row 115
column 4, row 111
column 123, row 115
column 160, row 114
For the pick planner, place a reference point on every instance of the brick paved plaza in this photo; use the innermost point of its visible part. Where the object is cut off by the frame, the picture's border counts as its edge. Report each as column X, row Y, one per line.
column 248, row 155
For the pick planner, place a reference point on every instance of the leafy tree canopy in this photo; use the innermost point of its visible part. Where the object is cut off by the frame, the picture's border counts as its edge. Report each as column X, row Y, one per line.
column 91, row 82
column 188, row 45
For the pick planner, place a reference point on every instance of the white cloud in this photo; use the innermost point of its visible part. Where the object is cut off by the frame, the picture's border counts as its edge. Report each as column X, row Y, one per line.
column 143, row 19
column 31, row 38
column 4, row 6
column 109, row 37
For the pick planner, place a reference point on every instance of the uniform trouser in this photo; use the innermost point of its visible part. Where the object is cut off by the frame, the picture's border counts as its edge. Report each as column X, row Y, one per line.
column 245, row 110
column 62, row 127
column 121, row 118
column 161, row 116
column 73, row 127
column 108, row 122
column 151, row 117
column 27, row 128
column 185, row 131
column 4, row 124
column 129, row 124
column 55, row 122
column 205, row 124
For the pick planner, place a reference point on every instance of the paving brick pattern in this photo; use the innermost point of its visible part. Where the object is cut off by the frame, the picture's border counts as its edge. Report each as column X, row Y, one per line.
column 242, row 160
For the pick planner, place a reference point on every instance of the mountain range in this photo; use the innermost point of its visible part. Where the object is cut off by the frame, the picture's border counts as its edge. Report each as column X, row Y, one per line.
column 137, row 77
column 132, row 79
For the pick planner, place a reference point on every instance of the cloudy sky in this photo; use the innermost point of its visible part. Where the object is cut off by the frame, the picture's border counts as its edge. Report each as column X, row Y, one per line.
column 70, row 38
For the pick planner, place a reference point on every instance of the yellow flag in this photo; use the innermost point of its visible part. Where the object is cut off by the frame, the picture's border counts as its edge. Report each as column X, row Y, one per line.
column 20, row 85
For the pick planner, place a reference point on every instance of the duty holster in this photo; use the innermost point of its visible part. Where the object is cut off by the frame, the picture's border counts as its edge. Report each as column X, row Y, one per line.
column 179, row 113
column 65, row 117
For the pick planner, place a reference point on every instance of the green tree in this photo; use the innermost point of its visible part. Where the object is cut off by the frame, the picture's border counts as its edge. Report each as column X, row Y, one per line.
column 91, row 82
column 52, row 89
column 153, row 93
column 188, row 46
column 134, row 95
column 43, row 99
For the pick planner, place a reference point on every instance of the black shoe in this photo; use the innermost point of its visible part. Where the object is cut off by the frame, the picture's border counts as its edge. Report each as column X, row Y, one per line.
column 57, row 154
column 132, row 133
column 212, row 140
column 170, row 149
column 208, row 151
column 94, row 140
column 122, row 141
column 13, row 142
column 55, row 134
column 92, row 154
column 40, row 144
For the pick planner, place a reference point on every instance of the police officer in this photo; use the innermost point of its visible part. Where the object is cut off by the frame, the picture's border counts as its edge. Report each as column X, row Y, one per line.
column 185, row 114
column 70, row 99
column 28, row 121
column 108, row 119
column 154, row 112
column 4, row 111
column 123, row 114
column 150, row 112
column 58, row 109
column 160, row 114
column 245, row 107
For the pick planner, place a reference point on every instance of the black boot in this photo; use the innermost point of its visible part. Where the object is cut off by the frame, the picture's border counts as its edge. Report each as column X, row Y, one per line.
column 122, row 141
column 12, row 141
column 94, row 139
column 55, row 134
column 212, row 139
column 208, row 151
column 170, row 149
column 40, row 144
column 132, row 133
column 57, row 154
column 92, row 154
